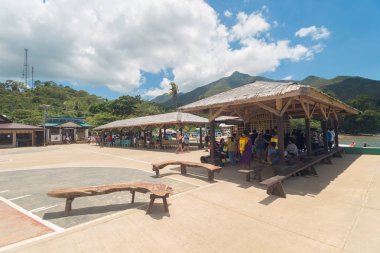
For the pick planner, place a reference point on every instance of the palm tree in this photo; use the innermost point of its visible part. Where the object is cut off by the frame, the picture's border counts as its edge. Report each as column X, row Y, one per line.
column 174, row 92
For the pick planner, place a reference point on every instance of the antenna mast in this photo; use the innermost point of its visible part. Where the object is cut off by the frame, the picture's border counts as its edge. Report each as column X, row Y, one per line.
column 25, row 70
column 32, row 77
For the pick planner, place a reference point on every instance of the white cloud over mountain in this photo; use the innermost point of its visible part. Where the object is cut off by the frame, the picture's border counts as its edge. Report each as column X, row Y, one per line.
column 113, row 42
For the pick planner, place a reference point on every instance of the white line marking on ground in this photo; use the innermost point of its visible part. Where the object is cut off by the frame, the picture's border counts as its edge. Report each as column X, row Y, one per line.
column 4, row 191
column 42, row 209
column 19, row 197
column 33, row 216
column 121, row 157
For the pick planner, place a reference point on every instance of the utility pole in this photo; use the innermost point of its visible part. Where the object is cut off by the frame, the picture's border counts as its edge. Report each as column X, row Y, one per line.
column 25, row 69
column 32, row 77
column 45, row 108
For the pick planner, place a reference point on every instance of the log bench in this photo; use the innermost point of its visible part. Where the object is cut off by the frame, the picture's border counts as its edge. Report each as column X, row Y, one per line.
column 211, row 169
column 274, row 184
column 256, row 172
column 161, row 191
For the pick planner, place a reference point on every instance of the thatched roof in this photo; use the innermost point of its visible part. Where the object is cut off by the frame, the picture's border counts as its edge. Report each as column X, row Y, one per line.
column 266, row 92
column 160, row 120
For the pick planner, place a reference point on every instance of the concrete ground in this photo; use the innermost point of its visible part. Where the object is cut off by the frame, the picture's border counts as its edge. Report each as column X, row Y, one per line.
column 338, row 211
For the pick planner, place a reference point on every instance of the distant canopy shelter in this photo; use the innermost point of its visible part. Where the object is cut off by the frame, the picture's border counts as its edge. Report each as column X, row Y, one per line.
column 266, row 105
column 59, row 128
column 161, row 121
column 14, row 135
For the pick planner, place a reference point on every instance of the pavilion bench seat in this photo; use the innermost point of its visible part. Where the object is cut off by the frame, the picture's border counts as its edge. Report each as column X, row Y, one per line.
column 184, row 164
column 157, row 191
column 274, row 184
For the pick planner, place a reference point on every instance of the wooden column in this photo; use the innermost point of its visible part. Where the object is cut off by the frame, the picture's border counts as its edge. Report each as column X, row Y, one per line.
column 324, row 135
column 281, row 136
column 212, row 139
column 33, row 138
column 144, row 139
column 280, row 130
column 180, row 130
column 200, row 138
column 336, row 134
column 307, row 136
column 160, row 137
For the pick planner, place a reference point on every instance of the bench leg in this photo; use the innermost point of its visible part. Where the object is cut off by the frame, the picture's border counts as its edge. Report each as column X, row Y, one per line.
column 165, row 203
column 276, row 189
column 210, row 175
column 133, row 196
column 312, row 170
column 157, row 172
column 327, row 160
column 183, row 169
column 257, row 174
column 337, row 154
column 248, row 177
column 152, row 198
column 68, row 206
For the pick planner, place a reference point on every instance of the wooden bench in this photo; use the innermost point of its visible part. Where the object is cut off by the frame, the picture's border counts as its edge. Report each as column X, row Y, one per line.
column 274, row 184
column 161, row 191
column 184, row 164
column 256, row 172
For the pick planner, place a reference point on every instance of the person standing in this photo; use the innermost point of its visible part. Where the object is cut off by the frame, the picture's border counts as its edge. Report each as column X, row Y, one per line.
column 179, row 141
column 260, row 147
column 245, row 146
column 231, row 149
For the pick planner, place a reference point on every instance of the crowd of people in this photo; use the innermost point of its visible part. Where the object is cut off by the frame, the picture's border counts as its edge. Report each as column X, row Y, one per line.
column 263, row 146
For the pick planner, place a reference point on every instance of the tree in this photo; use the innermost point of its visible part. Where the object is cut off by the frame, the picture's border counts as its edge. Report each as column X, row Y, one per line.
column 173, row 92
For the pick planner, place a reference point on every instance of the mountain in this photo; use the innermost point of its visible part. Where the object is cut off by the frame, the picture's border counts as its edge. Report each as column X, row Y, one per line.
column 347, row 87
column 226, row 83
column 343, row 87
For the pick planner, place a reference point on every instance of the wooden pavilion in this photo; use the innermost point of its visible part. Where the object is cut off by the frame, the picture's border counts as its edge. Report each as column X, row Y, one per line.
column 267, row 105
column 161, row 121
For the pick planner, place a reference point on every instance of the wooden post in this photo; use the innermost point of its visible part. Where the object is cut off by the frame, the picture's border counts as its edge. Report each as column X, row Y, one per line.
column 144, row 139
column 324, row 135
column 308, row 136
column 281, row 136
column 212, row 139
column 160, row 138
column 200, row 138
column 280, row 130
column 336, row 134
column 180, row 130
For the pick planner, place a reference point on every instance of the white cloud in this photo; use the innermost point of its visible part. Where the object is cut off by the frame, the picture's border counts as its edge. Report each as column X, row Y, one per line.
column 316, row 33
column 114, row 42
column 248, row 26
column 227, row 13
column 164, row 88
column 290, row 77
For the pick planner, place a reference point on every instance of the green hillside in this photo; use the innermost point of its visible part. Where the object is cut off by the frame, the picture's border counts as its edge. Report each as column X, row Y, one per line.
column 226, row 83
column 23, row 105
column 347, row 88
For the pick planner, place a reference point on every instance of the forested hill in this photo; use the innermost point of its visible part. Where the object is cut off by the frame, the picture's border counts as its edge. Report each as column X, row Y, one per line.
column 226, row 83
column 23, row 105
column 345, row 88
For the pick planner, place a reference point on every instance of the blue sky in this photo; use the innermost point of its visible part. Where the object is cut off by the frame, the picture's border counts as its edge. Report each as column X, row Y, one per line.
column 139, row 47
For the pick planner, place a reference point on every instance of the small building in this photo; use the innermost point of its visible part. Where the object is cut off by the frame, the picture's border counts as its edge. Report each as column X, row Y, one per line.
column 60, row 129
column 14, row 135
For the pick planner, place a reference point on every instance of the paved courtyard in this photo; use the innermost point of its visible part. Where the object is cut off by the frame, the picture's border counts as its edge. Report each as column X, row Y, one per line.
column 338, row 211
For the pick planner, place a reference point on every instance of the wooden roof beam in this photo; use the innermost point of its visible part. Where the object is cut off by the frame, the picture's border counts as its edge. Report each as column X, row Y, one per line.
column 214, row 114
column 268, row 108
